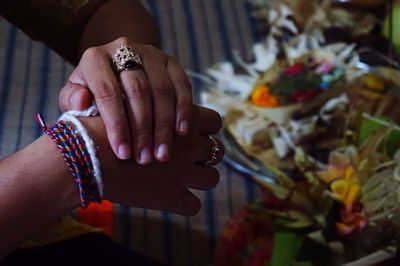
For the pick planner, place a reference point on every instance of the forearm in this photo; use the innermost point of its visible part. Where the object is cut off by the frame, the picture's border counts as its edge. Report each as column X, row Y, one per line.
column 120, row 18
column 59, row 24
column 70, row 27
column 36, row 188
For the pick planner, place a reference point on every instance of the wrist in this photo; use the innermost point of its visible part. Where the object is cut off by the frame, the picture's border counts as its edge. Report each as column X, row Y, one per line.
column 119, row 18
column 36, row 190
column 58, row 184
column 78, row 152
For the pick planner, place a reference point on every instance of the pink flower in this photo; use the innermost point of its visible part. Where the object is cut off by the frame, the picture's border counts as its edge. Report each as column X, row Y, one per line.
column 325, row 67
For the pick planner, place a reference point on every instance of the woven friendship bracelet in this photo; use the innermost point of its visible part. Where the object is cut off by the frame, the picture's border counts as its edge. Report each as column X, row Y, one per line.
column 89, row 190
column 74, row 153
column 71, row 116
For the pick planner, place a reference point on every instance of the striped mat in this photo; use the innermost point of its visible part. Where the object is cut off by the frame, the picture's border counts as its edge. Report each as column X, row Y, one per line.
column 198, row 33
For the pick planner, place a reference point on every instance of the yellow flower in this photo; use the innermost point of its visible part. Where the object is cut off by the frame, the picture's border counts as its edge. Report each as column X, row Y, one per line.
column 374, row 82
column 335, row 172
column 343, row 183
column 344, row 187
column 345, row 191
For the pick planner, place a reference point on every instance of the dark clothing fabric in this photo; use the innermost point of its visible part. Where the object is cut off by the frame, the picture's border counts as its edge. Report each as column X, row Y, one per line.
column 89, row 249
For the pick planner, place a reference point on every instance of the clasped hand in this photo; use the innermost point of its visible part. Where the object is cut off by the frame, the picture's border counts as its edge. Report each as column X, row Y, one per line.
column 162, row 185
column 142, row 109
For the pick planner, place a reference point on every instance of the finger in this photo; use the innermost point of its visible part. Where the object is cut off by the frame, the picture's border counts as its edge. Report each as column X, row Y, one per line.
column 163, row 107
column 138, row 100
column 107, row 94
column 186, row 204
column 208, row 121
column 184, row 99
column 74, row 97
column 206, row 178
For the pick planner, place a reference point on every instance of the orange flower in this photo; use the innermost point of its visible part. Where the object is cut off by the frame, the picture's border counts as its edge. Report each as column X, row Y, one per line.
column 261, row 97
column 354, row 223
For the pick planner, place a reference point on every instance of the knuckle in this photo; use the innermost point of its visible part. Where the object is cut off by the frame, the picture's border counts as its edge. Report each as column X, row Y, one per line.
column 184, row 83
column 123, row 40
column 217, row 119
column 136, row 89
column 117, row 128
column 143, row 129
column 92, row 53
column 105, row 92
column 165, row 90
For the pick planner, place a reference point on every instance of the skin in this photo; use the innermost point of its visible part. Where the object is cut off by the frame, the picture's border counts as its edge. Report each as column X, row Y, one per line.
column 140, row 112
column 124, row 103
column 158, row 97
column 35, row 183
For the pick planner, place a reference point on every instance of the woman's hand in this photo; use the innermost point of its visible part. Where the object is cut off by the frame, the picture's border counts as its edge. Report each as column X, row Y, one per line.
column 163, row 186
column 141, row 108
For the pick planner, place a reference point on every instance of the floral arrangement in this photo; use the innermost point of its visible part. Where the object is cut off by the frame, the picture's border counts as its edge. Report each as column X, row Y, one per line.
column 297, row 83
column 342, row 211
column 259, row 100
column 324, row 123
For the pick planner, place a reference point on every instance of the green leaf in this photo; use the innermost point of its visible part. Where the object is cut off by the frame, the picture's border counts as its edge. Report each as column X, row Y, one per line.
column 286, row 244
column 373, row 124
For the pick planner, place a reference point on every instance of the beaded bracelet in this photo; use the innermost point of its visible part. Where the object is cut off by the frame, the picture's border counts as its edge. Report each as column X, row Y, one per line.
column 74, row 153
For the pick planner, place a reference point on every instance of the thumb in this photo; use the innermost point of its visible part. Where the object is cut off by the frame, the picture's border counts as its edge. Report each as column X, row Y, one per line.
column 74, row 97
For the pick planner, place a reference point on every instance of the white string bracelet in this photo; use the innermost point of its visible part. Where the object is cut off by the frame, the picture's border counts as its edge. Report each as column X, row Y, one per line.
column 71, row 116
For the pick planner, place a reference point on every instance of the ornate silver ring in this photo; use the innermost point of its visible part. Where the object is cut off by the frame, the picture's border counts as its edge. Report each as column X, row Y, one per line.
column 126, row 58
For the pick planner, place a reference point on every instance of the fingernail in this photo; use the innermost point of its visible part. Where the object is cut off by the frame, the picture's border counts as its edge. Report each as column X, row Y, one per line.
column 183, row 127
column 145, row 156
column 162, row 152
column 75, row 100
column 124, row 152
